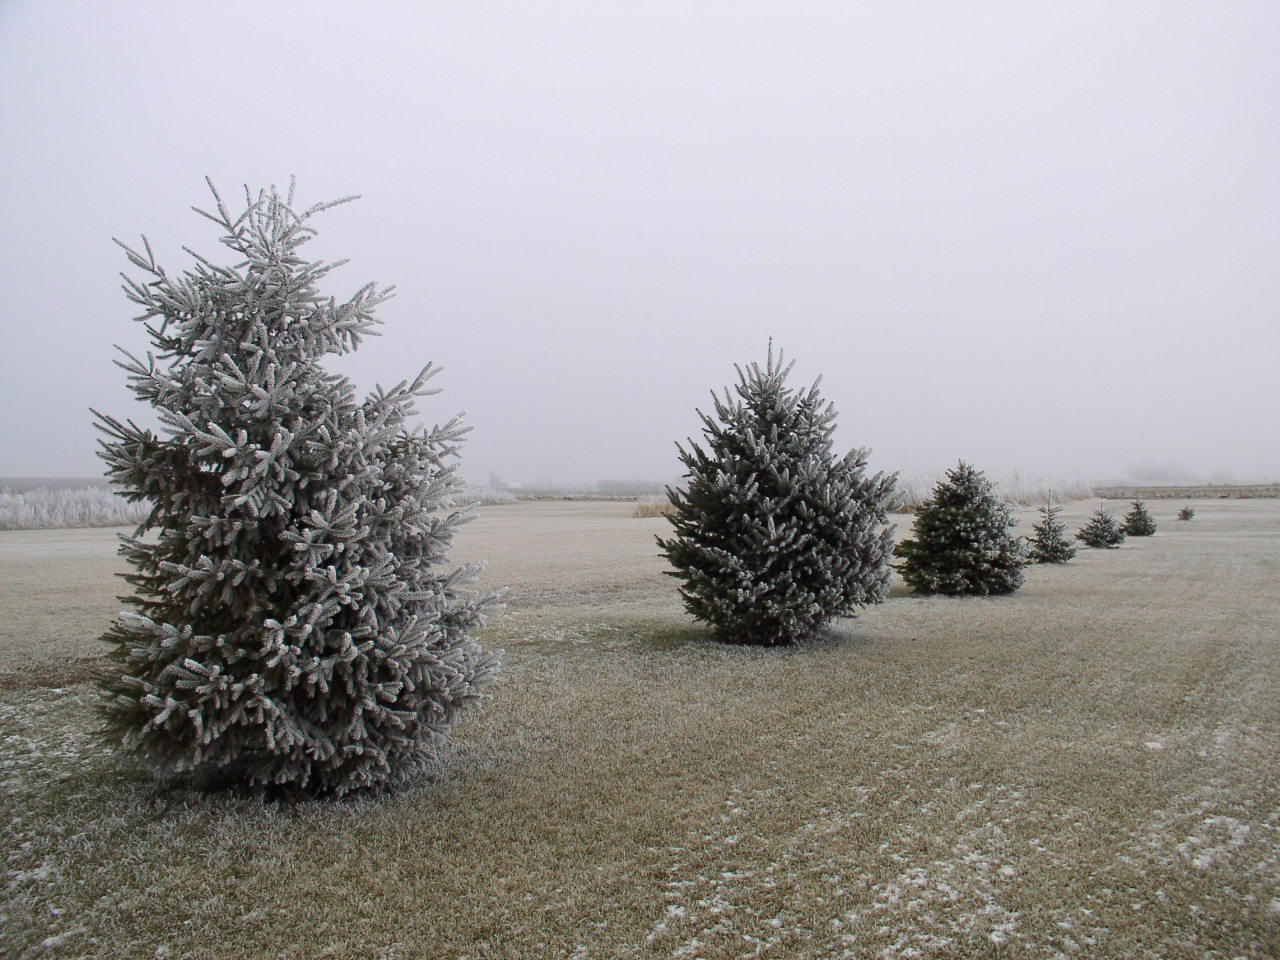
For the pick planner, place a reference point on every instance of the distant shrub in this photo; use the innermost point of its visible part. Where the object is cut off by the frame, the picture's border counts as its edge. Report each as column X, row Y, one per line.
column 1186, row 513
column 42, row 509
column 1102, row 531
column 1139, row 522
column 962, row 542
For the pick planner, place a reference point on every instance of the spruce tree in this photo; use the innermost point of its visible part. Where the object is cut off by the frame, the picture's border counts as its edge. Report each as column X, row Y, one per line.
column 962, row 541
column 1048, row 541
column 1139, row 522
column 1102, row 531
column 772, row 535
column 291, row 625
column 1186, row 513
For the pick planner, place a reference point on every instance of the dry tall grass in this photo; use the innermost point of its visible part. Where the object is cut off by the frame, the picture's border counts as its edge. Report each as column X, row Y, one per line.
column 1017, row 488
column 1087, row 768
column 653, row 507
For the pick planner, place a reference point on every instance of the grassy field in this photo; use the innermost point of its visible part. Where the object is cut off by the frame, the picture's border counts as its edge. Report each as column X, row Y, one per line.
column 1087, row 768
column 1219, row 491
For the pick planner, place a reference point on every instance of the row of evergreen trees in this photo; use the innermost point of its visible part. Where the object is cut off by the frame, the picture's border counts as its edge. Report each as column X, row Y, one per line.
column 292, row 625
column 1049, row 545
column 1103, row 530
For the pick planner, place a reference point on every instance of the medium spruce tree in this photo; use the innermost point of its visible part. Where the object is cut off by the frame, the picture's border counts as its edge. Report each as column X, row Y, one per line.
column 1048, row 541
column 773, row 536
column 1139, row 522
column 962, row 541
column 1102, row 531
column 291, row 625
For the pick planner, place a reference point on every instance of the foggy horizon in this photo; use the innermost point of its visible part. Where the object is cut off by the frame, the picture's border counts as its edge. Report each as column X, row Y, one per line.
column 1035, row 238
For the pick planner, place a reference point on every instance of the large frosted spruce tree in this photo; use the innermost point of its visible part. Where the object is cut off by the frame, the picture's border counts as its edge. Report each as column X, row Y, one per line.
column 774, row 536
column 291, row 626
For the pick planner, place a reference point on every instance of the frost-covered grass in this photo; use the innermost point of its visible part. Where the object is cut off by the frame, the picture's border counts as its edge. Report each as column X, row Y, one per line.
column 482, row 495
column 43, row 509
column 1087, row 768
column 1015, row 487
column 48, row 509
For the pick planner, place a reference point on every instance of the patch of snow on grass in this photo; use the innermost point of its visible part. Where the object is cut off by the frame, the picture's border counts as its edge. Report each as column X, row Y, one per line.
column 1217, row 838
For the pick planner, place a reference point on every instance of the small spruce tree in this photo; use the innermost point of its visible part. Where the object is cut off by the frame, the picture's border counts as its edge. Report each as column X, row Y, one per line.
column 1139, row 522
column 1102, row 531
column 1048, row 541
column 962, row 541
column 1186, row 513
column 291, row 625
column 773, row 536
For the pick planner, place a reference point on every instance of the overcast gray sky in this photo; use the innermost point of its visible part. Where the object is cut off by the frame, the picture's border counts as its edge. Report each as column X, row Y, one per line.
column 1038, row 236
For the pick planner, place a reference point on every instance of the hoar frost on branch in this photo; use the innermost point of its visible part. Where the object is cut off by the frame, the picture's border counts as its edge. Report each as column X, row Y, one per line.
column 774, row 536
column 291, row 625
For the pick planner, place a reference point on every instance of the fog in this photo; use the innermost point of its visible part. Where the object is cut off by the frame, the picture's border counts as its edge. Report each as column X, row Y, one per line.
column 1040, row 237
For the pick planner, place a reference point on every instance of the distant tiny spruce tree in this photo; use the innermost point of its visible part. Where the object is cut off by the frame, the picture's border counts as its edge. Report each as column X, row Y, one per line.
column 291, row 627
column 1139, row 522
column 1049, row 543
column 1102, row 531
column 963, row 543
column 773, row 536
column 1186, row 513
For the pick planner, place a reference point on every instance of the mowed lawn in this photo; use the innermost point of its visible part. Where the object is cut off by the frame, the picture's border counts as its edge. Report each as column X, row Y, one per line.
column 1088, row 768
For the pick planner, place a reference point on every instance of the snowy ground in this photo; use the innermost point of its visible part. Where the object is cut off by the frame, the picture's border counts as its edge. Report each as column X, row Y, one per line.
column 1089, row 768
